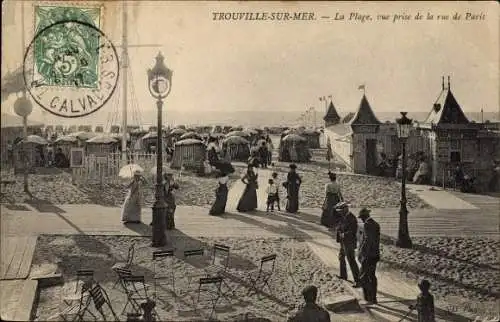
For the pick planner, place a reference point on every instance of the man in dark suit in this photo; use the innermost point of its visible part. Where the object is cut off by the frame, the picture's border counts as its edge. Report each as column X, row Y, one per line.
column 346, row 236
column 369, row 255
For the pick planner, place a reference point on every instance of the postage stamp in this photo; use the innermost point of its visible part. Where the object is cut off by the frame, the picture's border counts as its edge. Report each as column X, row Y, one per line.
column 70, row 68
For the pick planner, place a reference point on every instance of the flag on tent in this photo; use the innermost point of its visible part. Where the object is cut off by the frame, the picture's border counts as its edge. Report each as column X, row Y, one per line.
column 361, row 87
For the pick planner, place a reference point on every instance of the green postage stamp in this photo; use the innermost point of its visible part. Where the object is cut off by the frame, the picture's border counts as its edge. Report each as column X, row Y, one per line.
column 70, row 67
column 65, row 54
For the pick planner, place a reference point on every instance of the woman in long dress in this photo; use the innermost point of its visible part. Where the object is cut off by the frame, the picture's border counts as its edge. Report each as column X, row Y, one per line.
column 219, row 206
column 131, row 209
column 248, row 201
column 293, row 182
column 333, row 195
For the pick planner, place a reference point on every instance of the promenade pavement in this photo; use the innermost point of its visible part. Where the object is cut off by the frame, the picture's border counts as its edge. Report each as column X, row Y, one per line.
column 26, row 221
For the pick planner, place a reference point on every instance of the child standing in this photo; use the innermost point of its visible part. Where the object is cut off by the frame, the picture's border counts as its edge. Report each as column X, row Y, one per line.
column 272, row 192
column 425, row 303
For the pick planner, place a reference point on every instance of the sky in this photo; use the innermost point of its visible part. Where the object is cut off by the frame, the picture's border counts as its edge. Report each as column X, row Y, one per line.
column 269, row 65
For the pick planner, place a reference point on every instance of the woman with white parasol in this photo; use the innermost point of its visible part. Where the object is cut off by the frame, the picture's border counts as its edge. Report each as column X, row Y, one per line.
column 131, row 209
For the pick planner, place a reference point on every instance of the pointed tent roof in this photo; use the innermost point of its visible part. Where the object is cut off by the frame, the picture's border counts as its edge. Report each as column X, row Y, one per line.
column 331, row 114
column 365, row 114
column 446, row 110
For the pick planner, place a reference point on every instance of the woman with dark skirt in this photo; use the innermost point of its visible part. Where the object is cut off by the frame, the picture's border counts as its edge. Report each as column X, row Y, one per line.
column 292, row 185
column 248, row 201
column 219, row 206
column 329, row 217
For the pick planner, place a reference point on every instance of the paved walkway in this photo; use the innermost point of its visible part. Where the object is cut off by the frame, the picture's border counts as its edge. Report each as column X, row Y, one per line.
column 25, row 221
column 192, row 220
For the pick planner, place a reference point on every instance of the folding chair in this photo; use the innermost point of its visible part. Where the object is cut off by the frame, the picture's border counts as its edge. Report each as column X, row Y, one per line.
column 194, row 256
column 135, row 294
column 77, row 311
column 100, row 297
column 161, row 259
column 212, row 287
column 219, row 264
column 84, row 281
column 263, row 275
column 128, row 263
column 121, row 273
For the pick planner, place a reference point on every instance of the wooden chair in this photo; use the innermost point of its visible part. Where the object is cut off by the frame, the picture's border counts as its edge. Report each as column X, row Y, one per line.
column 99, row 298
column 260, row 278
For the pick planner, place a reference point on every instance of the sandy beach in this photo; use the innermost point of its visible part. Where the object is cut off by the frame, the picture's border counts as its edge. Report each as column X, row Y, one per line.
column 296, row 267
column 463, row 271
column 358, row 190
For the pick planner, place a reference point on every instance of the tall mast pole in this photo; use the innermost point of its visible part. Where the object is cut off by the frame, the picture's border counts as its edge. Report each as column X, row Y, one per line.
column 124, row 78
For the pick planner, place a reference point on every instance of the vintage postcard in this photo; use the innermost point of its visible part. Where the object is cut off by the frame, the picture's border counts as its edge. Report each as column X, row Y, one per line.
column 250, row 161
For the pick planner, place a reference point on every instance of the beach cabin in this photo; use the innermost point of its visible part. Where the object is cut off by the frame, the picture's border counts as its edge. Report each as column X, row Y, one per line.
column 237, row 147
column 294, row 148
column 190, row 154
column 102, row 145
column 312, row 137
column 12, row 128
column 451, row 139
column 445, row 138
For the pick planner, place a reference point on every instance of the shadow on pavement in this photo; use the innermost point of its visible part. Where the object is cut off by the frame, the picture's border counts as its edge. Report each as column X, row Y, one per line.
column 287, row 230
column 16, row 207
column 44, row 206
column 140, row 228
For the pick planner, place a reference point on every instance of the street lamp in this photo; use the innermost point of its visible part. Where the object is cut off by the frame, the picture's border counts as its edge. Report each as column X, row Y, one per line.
column 23, row 108
column 404, row 126
column 159, row 84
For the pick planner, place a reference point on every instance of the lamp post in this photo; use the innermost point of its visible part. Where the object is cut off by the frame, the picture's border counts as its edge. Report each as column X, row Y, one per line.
column 159, row 81
column 404, row 126
column 23, row 108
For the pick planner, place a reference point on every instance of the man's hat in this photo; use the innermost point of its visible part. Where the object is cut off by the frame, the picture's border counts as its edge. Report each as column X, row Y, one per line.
column 424, row 284
column 293, row 166
column 341, row 205
column 364, row 213
column 310, row 290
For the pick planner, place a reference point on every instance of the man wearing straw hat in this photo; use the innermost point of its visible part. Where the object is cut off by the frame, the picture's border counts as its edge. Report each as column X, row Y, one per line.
column 369, row 255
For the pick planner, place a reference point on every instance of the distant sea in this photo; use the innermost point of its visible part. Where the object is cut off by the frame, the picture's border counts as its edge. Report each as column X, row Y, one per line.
column 243, row 118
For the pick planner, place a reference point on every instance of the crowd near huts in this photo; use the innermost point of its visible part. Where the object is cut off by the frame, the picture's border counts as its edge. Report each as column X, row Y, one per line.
column 184, row 147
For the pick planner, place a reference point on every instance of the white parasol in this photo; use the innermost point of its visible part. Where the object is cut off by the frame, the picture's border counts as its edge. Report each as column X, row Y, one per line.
column 128, row 171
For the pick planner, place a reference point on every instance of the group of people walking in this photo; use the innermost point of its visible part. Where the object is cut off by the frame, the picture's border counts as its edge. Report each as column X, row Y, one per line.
column 248, row 199
column 337, row 217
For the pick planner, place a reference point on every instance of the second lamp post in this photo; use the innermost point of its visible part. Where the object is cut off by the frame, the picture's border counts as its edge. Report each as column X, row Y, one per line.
column 404, row 126
column 159, row 81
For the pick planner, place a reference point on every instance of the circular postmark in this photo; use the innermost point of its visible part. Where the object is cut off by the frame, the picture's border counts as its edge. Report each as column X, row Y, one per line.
column 71, row 68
